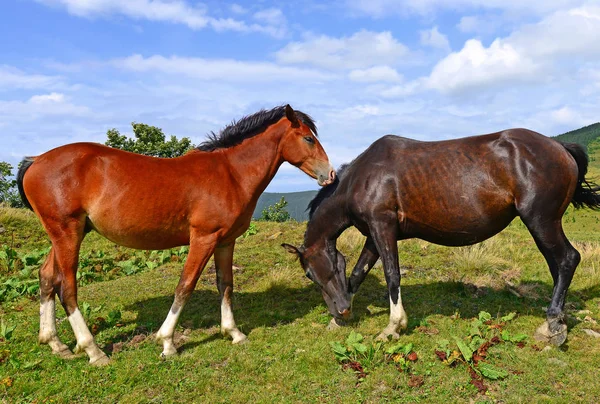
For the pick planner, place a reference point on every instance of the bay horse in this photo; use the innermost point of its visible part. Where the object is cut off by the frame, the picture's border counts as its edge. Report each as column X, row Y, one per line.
column 203, row 199
column 453, row 193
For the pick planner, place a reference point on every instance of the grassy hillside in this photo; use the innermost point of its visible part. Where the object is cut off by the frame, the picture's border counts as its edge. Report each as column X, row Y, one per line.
column 297, row 203
column 583, row 136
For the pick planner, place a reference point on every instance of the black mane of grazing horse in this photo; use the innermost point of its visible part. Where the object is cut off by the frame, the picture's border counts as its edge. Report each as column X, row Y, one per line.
column 326, row 191
column 454, row 193
column 250, row 126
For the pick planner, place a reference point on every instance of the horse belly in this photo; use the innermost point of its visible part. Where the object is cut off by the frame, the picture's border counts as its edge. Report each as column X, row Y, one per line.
column 144, row 233
column 458, row 230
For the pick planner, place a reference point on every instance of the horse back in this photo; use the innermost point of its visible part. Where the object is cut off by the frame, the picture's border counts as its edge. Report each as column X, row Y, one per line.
column 460, row 191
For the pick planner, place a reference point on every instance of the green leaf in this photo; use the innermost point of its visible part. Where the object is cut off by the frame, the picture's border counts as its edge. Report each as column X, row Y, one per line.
column 475, row 327
column 339, row 350
column 491, row 372
column 508, row 317
column 475, row 343
column 505, row 335
column 354, row 338
column 466, row 352
column 362, row 348
column 518, row 338
column 484, row 316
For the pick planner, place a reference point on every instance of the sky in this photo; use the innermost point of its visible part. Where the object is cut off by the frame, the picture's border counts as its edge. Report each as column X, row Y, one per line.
column 425, row 69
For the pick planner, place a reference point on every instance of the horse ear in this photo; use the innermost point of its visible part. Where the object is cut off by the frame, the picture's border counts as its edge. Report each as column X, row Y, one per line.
column 291, row 115
column 292, row 250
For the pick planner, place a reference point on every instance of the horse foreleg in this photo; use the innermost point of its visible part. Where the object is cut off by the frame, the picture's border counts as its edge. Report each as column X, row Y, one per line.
column 201, row 248
column 224, row 264
column 49, row 283
column 368, row 258
column 384, row 236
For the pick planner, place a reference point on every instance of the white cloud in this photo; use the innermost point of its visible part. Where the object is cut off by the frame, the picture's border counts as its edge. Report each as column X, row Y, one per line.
column 477, row 66
column 383, row 8
column 361, row 50
column 173, row 11
column 375, row 74
column 435, row 39
column 238, row 9
column 47, row 98
column 529, row 54
column 11, row 77
column 39, row 106
column 226, row 70
column 568, row 116
column 479, row 24
column 569, row 33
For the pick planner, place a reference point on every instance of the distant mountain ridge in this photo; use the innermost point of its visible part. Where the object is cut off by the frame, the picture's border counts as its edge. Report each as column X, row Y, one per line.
column 298, row 201
column 584, row 136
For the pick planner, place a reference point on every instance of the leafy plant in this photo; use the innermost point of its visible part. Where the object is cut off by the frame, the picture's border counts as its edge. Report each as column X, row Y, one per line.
column 473, row 348
column 6, row 330
column 251, row 231
column 276, row 212
column 355, row 350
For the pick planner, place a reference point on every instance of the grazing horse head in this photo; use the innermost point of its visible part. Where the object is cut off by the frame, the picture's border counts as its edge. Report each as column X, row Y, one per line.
column 327, row 268
column 302, row 149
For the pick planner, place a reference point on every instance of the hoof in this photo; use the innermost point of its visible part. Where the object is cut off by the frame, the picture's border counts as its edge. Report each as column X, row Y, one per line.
column 66, row 354
column 240, row 339
column 101, row 361
column 385, row 336
column 335, row 323
column 554, row 333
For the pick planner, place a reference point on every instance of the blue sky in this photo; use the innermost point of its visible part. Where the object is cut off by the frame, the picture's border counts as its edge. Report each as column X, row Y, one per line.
column 426, row 69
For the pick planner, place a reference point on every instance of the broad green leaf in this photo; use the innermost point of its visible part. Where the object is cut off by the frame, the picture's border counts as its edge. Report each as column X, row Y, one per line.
column 508, row 317
column 518, row 338
column 484, row 316
column 475, row 343
column 466, row 352
column 505, row 335
column 339, row 350
column 362, row 348
column 475, row 327
column 491, row 372
column 354, row 338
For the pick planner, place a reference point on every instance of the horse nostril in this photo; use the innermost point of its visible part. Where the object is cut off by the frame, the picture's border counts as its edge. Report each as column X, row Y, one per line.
column 345, row 313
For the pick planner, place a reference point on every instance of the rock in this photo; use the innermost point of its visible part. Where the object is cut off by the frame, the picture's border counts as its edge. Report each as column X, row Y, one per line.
column 591, row 333
column 274, row 236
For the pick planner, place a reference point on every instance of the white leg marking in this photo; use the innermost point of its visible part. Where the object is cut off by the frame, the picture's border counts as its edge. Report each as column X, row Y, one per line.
column 398, row 320
column 85, row 339
column 166, row 331
column 228, row 323
column 48, row 333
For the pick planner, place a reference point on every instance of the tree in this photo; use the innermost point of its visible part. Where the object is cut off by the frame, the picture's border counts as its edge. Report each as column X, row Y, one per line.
column 276, row 212
column 149, row 140
column 8, row 188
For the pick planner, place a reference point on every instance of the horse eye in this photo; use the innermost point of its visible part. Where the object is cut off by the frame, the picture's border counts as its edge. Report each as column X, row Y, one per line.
column 309, row 276
column 309, row 140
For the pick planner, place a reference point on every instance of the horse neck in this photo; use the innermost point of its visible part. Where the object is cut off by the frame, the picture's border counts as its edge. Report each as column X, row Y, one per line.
column 255, row 161
column 327, row 223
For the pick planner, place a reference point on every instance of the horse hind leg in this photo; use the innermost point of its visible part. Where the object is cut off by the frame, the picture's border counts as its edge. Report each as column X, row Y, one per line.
column 49, row 283
column 562, row 259
column 66, row 240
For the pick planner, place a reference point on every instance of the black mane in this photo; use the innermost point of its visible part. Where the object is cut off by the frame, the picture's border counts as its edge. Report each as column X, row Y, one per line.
column 248, row 127
column 325, row 192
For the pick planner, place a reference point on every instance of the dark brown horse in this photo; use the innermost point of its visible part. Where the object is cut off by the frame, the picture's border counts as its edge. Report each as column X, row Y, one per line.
column 454, row 193
column 204, row 198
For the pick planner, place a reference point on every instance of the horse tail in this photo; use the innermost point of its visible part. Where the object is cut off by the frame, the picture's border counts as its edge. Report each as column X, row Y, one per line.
column 587, row 192
column 25, row 164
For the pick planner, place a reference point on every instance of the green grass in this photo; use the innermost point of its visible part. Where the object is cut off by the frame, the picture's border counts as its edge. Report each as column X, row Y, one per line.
column 289, row 357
